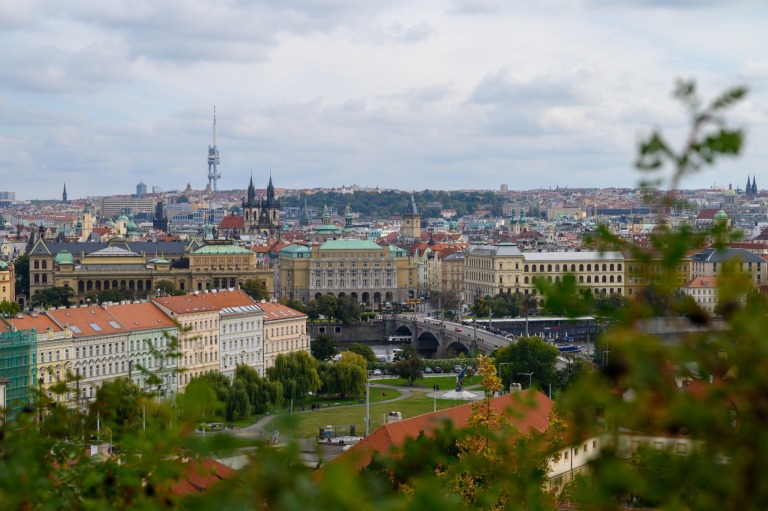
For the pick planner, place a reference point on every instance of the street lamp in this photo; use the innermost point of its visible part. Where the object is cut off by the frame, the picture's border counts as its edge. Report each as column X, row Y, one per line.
column 529, row 375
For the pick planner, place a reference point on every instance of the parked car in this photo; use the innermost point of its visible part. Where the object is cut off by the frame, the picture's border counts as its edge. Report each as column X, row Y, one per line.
column 377, row 372
column 457, row 368
column 437, row 369
column 428, row 370
column 458, row 329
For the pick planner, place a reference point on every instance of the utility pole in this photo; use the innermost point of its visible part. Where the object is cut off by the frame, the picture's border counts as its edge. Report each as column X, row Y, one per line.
column 367, row 405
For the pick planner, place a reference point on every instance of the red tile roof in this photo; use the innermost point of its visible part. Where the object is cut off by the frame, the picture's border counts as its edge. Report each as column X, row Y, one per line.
column 140, row 316
column 231, row 222
column 527, row 410
column 274, row 311
column 199, row 475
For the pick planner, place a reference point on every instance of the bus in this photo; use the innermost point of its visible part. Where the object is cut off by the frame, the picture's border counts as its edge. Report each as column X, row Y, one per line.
column 399, row 338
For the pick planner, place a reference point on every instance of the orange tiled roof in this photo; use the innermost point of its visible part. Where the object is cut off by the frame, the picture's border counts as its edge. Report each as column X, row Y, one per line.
column 140, row 316
column 200, row 475
column 274, row 311
column 225, row 298
column 87, row 321
column 39, row 322
column 527, row 410
column 231, row 222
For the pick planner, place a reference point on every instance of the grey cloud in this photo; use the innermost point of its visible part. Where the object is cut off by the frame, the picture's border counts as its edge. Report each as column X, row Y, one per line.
column 53, row 70
column 503, row 87
column 475, row 6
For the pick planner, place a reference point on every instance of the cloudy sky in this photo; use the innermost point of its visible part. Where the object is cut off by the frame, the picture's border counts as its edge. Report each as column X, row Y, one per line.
column 102, row 94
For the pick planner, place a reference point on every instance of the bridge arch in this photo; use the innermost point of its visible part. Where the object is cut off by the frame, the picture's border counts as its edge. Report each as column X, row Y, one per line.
column 455, row 348
column 403, row 330
column 426, row 344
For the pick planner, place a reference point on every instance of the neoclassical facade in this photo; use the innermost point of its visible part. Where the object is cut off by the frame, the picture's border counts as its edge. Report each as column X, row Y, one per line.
column 373, row 274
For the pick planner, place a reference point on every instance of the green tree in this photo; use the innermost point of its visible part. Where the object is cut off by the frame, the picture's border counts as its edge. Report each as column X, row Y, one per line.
column 52, row 297
column 9, row 308
column 364, row 351
column 409, row 369
column 256, row 289
column 528, row 355
column 297, row 306
column 323, row 347
column 312, row 310
column 327, row 306
column 352, row 373
column 348, row 311
column 297, row 372
column 21, row 267
column 167, row 287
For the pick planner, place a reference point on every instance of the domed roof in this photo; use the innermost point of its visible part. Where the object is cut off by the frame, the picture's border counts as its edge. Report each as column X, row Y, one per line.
column 730, row 192
column 3, row 265
column 721, row 215
column 64, row 257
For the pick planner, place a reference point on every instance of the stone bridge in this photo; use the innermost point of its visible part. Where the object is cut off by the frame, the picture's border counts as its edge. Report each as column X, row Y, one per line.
column 435, row 338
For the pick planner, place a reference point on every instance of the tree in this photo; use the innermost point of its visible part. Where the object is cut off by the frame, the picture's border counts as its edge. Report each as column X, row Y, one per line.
column 297, row 372
column 352, row 373
column 312, row 310
column 576, row 369
column 528, row 355
column 364, row 351
column 9, row 308
column 52, row 297
column 327, row 306
column 409, row 369
column 347, row 310
column 323, row 347
column 21, row 267
column 167, row 287
column 256, row 289
column 297, row 306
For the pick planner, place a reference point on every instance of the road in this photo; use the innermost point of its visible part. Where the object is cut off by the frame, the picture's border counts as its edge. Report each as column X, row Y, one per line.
column 486, row 340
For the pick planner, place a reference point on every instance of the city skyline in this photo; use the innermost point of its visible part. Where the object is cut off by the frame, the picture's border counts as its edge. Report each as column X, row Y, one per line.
column 465, row 94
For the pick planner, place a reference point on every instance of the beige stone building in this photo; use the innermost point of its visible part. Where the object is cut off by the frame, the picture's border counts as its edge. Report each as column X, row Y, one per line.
column 199, row 335
column 285, row 331
column 370, row 273
column 504, row 268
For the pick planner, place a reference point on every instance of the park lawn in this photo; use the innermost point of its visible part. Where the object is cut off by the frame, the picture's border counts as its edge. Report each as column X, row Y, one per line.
column 447, row 382
column 308, row 424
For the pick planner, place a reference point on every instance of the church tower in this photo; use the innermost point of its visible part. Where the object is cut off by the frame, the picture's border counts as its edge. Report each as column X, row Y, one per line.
column 411, row 221
column 64, row 195
column 261, row 217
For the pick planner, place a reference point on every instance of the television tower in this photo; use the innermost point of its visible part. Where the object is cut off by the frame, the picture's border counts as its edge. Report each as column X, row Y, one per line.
column 213, row 159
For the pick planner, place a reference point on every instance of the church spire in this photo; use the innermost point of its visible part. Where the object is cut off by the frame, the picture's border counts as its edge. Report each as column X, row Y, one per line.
column 64, row 194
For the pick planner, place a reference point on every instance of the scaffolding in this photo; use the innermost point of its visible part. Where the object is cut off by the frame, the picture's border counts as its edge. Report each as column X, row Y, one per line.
column 18, row 364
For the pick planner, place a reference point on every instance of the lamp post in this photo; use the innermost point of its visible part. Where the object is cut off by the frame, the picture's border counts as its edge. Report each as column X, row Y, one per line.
column 367, row 402
column 530, row 376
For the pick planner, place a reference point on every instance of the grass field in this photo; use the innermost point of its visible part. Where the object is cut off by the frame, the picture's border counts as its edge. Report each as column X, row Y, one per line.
column 307, row 424
column 447, row 382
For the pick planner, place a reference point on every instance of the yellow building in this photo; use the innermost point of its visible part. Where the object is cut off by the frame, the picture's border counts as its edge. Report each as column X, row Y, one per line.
column 370, row 273
column 639, row 274
column 199, row 335
column 285, row 331
column 503, row 268
column 7, row 282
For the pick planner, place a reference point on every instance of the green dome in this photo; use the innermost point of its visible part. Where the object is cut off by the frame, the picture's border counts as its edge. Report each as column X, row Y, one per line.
column 64, row 257
column 3, row 265
column 721, row 215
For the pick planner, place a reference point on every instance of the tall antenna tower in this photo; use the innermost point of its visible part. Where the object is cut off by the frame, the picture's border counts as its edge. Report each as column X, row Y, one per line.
column 213, row 159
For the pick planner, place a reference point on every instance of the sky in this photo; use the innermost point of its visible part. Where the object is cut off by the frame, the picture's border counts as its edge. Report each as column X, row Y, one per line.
column 454, row 94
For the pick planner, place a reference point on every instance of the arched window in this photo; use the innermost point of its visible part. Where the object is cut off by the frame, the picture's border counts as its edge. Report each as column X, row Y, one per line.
column 573, row 268
column 525, row 280
column 618, row 278
column 611, row 267
column 589, row 279
column 549, row 267
column 619, row 267
column 557, row 268
column 37, row 278
column 589, row 267
column 581, row 279
column 526, row 268
column 37, row 265
column 605, row 267
column 45, row 265
column 604, row 278
column 610, row 279
column 541, row 268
